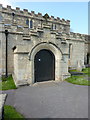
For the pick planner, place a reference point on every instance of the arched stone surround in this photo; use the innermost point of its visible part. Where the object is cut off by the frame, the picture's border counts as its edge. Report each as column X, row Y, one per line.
column 58, row 56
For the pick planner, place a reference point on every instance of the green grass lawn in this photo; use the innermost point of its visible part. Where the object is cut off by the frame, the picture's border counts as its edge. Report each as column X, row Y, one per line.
column 74, row 70
column 11, row 113
column 86, row 71
column 81, row 79
column 7, row 83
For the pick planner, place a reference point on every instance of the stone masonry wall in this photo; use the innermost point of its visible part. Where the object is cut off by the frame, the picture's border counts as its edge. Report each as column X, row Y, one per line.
column 20, row 18
column 17, row 27
column 23, row 38
column 77, row 53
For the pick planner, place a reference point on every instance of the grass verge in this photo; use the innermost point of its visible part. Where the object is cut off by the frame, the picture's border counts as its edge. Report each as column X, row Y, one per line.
column 74, row 70
column 80, row 79
column 10, row 113
column 86, row 71
column 7, row 83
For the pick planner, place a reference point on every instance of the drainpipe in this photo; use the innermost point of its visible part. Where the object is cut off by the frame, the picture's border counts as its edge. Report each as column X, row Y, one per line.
column 6, row 34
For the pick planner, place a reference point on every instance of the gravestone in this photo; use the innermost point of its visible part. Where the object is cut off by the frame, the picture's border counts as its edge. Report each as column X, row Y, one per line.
column 79, row 66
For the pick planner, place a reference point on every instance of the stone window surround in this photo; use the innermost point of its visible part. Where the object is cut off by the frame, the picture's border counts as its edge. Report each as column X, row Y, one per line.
column 29, row 23
column 54, row 26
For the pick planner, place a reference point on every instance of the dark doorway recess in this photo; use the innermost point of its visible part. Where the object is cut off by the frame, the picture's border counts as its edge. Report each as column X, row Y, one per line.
column 44, row 66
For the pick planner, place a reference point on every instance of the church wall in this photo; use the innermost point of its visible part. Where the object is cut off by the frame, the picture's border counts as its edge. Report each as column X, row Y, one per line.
column 19, row 18
column 22, row 39
column 77, row 53
column 0, row 54
column 21, row 71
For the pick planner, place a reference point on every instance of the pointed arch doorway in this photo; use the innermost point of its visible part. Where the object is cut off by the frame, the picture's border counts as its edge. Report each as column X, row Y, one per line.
column 44, row 66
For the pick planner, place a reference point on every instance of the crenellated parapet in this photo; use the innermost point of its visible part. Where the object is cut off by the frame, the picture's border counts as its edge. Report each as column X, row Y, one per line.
column 74, row 36
column 71, row 36
column 25, row 13
column 15, row 21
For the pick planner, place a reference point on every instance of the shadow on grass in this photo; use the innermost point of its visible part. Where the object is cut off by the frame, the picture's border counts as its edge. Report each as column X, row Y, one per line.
column 80, row 79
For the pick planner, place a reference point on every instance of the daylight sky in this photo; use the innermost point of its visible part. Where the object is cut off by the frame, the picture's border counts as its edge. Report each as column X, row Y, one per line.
column 76, row 12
